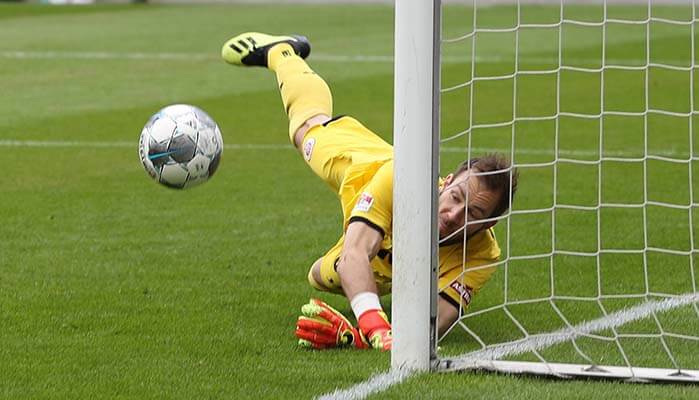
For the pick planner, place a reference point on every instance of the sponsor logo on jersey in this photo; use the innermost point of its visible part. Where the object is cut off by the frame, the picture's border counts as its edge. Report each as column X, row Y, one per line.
column 463, row 291
column 364, row 203
column 308, row 148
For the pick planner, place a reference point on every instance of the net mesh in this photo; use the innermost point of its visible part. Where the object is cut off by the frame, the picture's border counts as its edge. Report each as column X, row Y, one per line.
column 595, row 103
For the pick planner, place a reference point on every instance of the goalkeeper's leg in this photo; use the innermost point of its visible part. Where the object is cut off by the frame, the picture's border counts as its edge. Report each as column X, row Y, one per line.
column 306, row 97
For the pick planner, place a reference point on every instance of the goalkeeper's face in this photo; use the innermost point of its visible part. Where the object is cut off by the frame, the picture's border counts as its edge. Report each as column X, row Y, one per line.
column 464, row 200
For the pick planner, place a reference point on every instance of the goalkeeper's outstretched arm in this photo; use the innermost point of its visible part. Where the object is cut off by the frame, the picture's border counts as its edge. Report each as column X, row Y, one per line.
column 362, row 243
column 321, row 326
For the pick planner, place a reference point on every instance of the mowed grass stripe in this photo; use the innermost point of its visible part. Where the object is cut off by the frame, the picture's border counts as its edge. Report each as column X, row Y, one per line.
column 255, row 146
column 338, row 58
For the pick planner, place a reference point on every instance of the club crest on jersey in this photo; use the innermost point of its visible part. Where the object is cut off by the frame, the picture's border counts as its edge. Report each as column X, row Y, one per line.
column 364, row 203
column 463, row 291
column 308, row 148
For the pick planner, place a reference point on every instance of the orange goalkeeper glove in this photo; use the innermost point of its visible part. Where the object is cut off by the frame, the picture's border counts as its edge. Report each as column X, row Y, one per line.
column 374, row 325
column 323, row 327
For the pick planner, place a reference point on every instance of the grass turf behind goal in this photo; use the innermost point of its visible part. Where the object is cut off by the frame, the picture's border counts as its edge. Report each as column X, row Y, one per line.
column 111, row 286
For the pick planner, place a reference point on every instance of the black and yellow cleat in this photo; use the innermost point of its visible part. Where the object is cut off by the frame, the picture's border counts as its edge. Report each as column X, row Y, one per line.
column 250, row 48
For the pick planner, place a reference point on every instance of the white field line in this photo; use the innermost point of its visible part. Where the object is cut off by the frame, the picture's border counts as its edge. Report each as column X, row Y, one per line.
column 331, row 58
column 383, row 381
column 252, row 146
column 133, row 145
column 542, row 341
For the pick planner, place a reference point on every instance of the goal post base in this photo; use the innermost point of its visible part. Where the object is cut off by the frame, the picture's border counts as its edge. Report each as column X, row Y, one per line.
column 630, row 374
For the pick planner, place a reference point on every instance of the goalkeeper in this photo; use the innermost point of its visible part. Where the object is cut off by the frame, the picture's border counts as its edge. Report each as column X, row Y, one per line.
column 358, row 166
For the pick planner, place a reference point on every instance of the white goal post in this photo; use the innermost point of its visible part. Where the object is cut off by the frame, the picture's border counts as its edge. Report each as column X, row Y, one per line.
column 416, row 170
column 667, row 320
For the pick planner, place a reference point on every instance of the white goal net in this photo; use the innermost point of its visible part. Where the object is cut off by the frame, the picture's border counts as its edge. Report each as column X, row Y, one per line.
column 596, row 103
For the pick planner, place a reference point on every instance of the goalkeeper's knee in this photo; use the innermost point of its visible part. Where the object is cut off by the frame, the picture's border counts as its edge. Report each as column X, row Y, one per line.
column 315, row 284
column 316, row 281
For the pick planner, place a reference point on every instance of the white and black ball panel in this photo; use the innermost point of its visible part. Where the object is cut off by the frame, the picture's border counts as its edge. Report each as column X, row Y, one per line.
column 204, row 118
column 199, row 165
column 144, row 148
column 182, row 147
column 175, row 111
column 174, row 175
column 158, row 153
column 213, row 165
column 161, row 128
column 210, row 143
column 198, row 169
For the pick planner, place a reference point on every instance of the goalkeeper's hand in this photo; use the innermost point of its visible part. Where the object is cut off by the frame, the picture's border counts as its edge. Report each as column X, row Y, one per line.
column 323, row 327
column 374, row 326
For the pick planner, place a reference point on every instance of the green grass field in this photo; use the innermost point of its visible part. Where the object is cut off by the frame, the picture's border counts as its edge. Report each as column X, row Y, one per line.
column 112, row 286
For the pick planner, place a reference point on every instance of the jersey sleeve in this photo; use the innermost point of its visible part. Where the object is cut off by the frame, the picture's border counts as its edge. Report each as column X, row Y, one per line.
column 458, row 287
column 458, row 284
column 374, row 205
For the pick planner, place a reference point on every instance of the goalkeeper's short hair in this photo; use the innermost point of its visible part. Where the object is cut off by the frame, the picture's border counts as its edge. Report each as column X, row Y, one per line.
column 499, row 175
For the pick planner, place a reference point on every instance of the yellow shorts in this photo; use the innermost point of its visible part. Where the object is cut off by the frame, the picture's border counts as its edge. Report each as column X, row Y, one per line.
column 329, row 149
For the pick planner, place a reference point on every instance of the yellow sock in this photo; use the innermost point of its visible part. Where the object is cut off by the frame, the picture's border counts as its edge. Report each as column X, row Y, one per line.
column 304, row 93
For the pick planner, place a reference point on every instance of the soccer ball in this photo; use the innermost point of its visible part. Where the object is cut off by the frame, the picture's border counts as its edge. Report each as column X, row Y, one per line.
column 180, row 146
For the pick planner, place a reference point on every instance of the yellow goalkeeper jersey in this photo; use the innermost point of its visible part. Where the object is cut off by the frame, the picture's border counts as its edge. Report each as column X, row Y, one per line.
column 359, row 166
